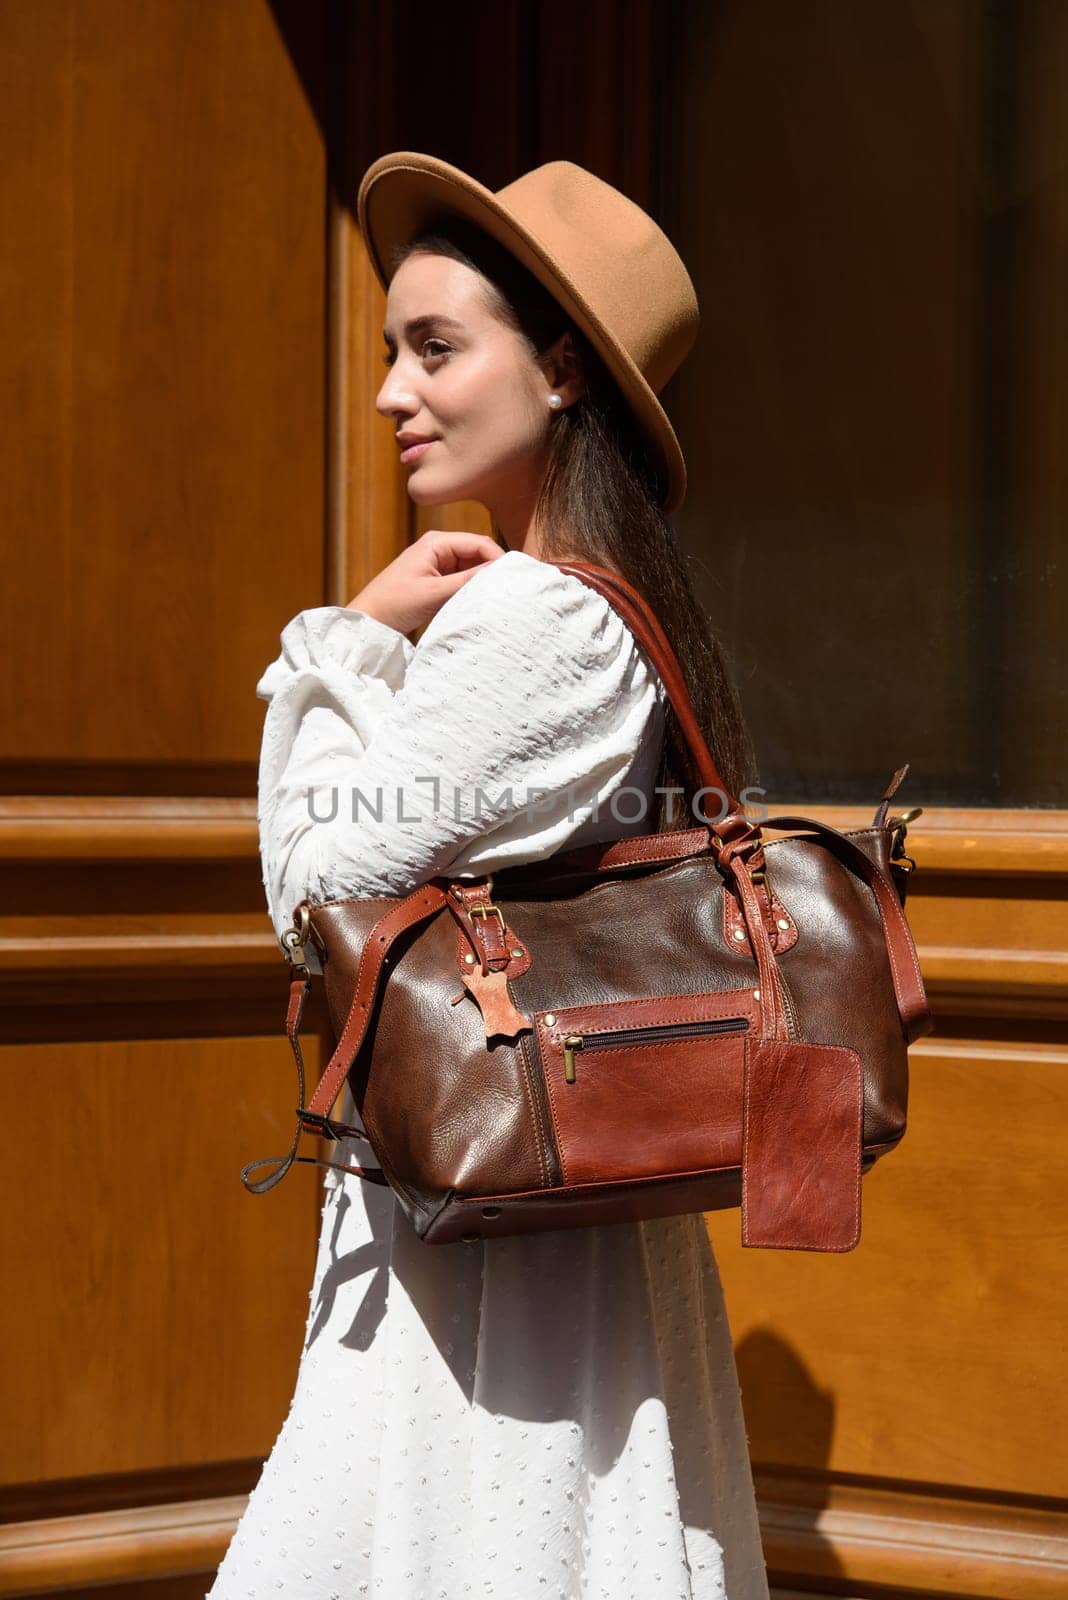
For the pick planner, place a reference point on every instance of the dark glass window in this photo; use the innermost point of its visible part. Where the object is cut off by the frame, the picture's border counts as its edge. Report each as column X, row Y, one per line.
column 873, row 202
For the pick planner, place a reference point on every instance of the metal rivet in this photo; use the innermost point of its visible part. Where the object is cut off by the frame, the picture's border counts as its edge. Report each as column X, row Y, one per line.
column 469, row 958
column 491, row 1211
column 517, row 952
column 756, row 994
column 550, row 1018
column 782, row 923
column 739, row 933
column 470, row 1238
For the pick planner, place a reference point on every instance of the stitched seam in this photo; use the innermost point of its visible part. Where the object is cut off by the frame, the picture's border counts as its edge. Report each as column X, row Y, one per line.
column 629, row 1183
column 745, row 1144
column 614, row 1183
column 528, row 1089
column 650, row 1000
column 859, row 1082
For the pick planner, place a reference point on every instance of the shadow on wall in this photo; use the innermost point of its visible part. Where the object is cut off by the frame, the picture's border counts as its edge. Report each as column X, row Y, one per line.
column 789, row 1418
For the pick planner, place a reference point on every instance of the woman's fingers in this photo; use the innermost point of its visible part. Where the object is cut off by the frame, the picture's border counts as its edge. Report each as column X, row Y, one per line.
column 453, row 551
column 414, row 587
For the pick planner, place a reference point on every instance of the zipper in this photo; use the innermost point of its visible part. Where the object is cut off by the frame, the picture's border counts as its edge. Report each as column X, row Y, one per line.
column 666, row 1030
column 793, row 1027
column 542, row 1114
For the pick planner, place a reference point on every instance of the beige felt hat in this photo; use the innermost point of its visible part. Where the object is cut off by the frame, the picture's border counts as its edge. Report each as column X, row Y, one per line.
column 615, row 273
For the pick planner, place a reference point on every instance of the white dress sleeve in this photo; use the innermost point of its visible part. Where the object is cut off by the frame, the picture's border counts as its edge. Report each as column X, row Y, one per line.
column 526, row 719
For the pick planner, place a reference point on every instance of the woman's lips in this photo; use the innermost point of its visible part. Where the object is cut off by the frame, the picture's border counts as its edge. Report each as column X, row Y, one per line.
column 415, row 452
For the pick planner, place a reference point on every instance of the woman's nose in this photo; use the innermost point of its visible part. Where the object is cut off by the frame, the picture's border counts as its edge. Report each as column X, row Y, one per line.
column 395, row 398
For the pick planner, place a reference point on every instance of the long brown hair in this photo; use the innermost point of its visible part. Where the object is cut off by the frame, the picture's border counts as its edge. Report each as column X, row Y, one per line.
column 600, row 502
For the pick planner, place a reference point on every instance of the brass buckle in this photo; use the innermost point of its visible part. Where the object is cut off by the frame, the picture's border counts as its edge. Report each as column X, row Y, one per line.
column 483, row 910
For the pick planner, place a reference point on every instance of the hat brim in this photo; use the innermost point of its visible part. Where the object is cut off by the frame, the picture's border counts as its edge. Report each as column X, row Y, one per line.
column 403, row 193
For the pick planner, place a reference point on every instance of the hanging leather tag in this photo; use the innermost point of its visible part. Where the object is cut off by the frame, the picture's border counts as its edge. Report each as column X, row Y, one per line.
column 499, row 1015
column 803, row 1109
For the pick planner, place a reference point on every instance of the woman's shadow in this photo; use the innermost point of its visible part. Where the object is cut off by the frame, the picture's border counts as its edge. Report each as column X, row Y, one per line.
column 790, row 1422
column 789, row 1418
column 371, row 1258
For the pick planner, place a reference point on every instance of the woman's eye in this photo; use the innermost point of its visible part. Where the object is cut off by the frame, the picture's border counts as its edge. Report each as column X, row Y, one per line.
column 442, row 349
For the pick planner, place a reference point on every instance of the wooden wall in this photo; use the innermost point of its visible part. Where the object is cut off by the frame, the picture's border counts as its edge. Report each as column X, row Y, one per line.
column 190, row 456
column 162, row 491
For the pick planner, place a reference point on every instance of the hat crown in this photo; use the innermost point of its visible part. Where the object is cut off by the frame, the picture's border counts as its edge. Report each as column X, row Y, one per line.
column 617, row 260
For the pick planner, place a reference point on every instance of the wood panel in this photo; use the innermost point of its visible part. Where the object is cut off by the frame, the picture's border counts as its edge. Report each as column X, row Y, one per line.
column 933, row 1353
column 160, row 1308
column 162, row 455
column 162, row 490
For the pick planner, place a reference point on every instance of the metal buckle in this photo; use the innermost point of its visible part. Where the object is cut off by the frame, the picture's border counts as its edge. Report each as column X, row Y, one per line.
column 483, row 910
column 294, row 942
column 900, row 827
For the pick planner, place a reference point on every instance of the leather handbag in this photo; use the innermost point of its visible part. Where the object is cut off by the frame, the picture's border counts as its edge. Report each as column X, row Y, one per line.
column 676, row 1022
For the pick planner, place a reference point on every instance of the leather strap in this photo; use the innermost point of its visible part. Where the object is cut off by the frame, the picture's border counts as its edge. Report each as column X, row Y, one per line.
column 298, row 993
column 912, row 1004
column 646, row 629
column 315, row 1117
column 773, row 1023
column 415, row 908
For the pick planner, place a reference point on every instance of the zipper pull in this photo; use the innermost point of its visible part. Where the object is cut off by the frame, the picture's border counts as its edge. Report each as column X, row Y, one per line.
column 572, row 1043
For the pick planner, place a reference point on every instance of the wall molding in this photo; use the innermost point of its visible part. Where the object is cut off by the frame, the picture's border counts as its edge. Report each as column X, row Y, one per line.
column 863, row 1536
column 910, row 1542
column 131, row 827
column 175, row 1540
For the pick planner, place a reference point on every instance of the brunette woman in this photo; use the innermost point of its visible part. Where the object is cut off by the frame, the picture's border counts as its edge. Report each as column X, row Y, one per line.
column 551, row 1414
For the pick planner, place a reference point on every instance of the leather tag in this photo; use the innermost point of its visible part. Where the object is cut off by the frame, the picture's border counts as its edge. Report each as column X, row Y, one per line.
column 495, row 1002
column 803, row 1109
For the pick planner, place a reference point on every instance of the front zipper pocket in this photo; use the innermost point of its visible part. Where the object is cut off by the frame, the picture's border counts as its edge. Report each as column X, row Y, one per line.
column 639, row 1088
column 653, row 1035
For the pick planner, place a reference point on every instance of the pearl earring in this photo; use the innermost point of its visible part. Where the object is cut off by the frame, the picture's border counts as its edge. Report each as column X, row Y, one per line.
column 555, row 401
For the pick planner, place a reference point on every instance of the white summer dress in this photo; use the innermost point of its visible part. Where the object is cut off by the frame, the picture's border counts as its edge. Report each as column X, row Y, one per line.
column 552, row 1416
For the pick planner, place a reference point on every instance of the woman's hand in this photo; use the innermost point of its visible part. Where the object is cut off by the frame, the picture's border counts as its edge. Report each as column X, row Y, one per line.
column 415, row 586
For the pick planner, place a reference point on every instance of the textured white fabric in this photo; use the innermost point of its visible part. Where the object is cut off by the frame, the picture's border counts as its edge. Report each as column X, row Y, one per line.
column 552, row 1415
column 525, row 709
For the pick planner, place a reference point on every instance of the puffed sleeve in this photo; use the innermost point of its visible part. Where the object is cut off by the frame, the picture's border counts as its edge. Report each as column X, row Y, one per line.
column 502, row 736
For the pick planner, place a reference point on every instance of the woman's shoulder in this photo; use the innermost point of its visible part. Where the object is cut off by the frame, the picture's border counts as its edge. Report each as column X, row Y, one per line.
column 521, row 594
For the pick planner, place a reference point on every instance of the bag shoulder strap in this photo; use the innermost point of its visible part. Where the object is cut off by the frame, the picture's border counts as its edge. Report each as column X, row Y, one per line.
column 643, row 624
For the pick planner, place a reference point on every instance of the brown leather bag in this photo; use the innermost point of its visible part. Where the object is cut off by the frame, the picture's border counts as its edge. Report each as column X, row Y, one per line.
column 676, row 1022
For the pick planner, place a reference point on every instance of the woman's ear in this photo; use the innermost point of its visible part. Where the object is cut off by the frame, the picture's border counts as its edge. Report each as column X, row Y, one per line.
column 561, row 364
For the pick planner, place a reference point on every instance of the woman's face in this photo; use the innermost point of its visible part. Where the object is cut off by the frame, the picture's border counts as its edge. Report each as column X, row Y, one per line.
column 463, row 379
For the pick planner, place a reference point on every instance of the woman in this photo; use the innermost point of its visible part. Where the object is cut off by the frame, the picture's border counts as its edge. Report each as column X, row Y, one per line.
column 552, row 1414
